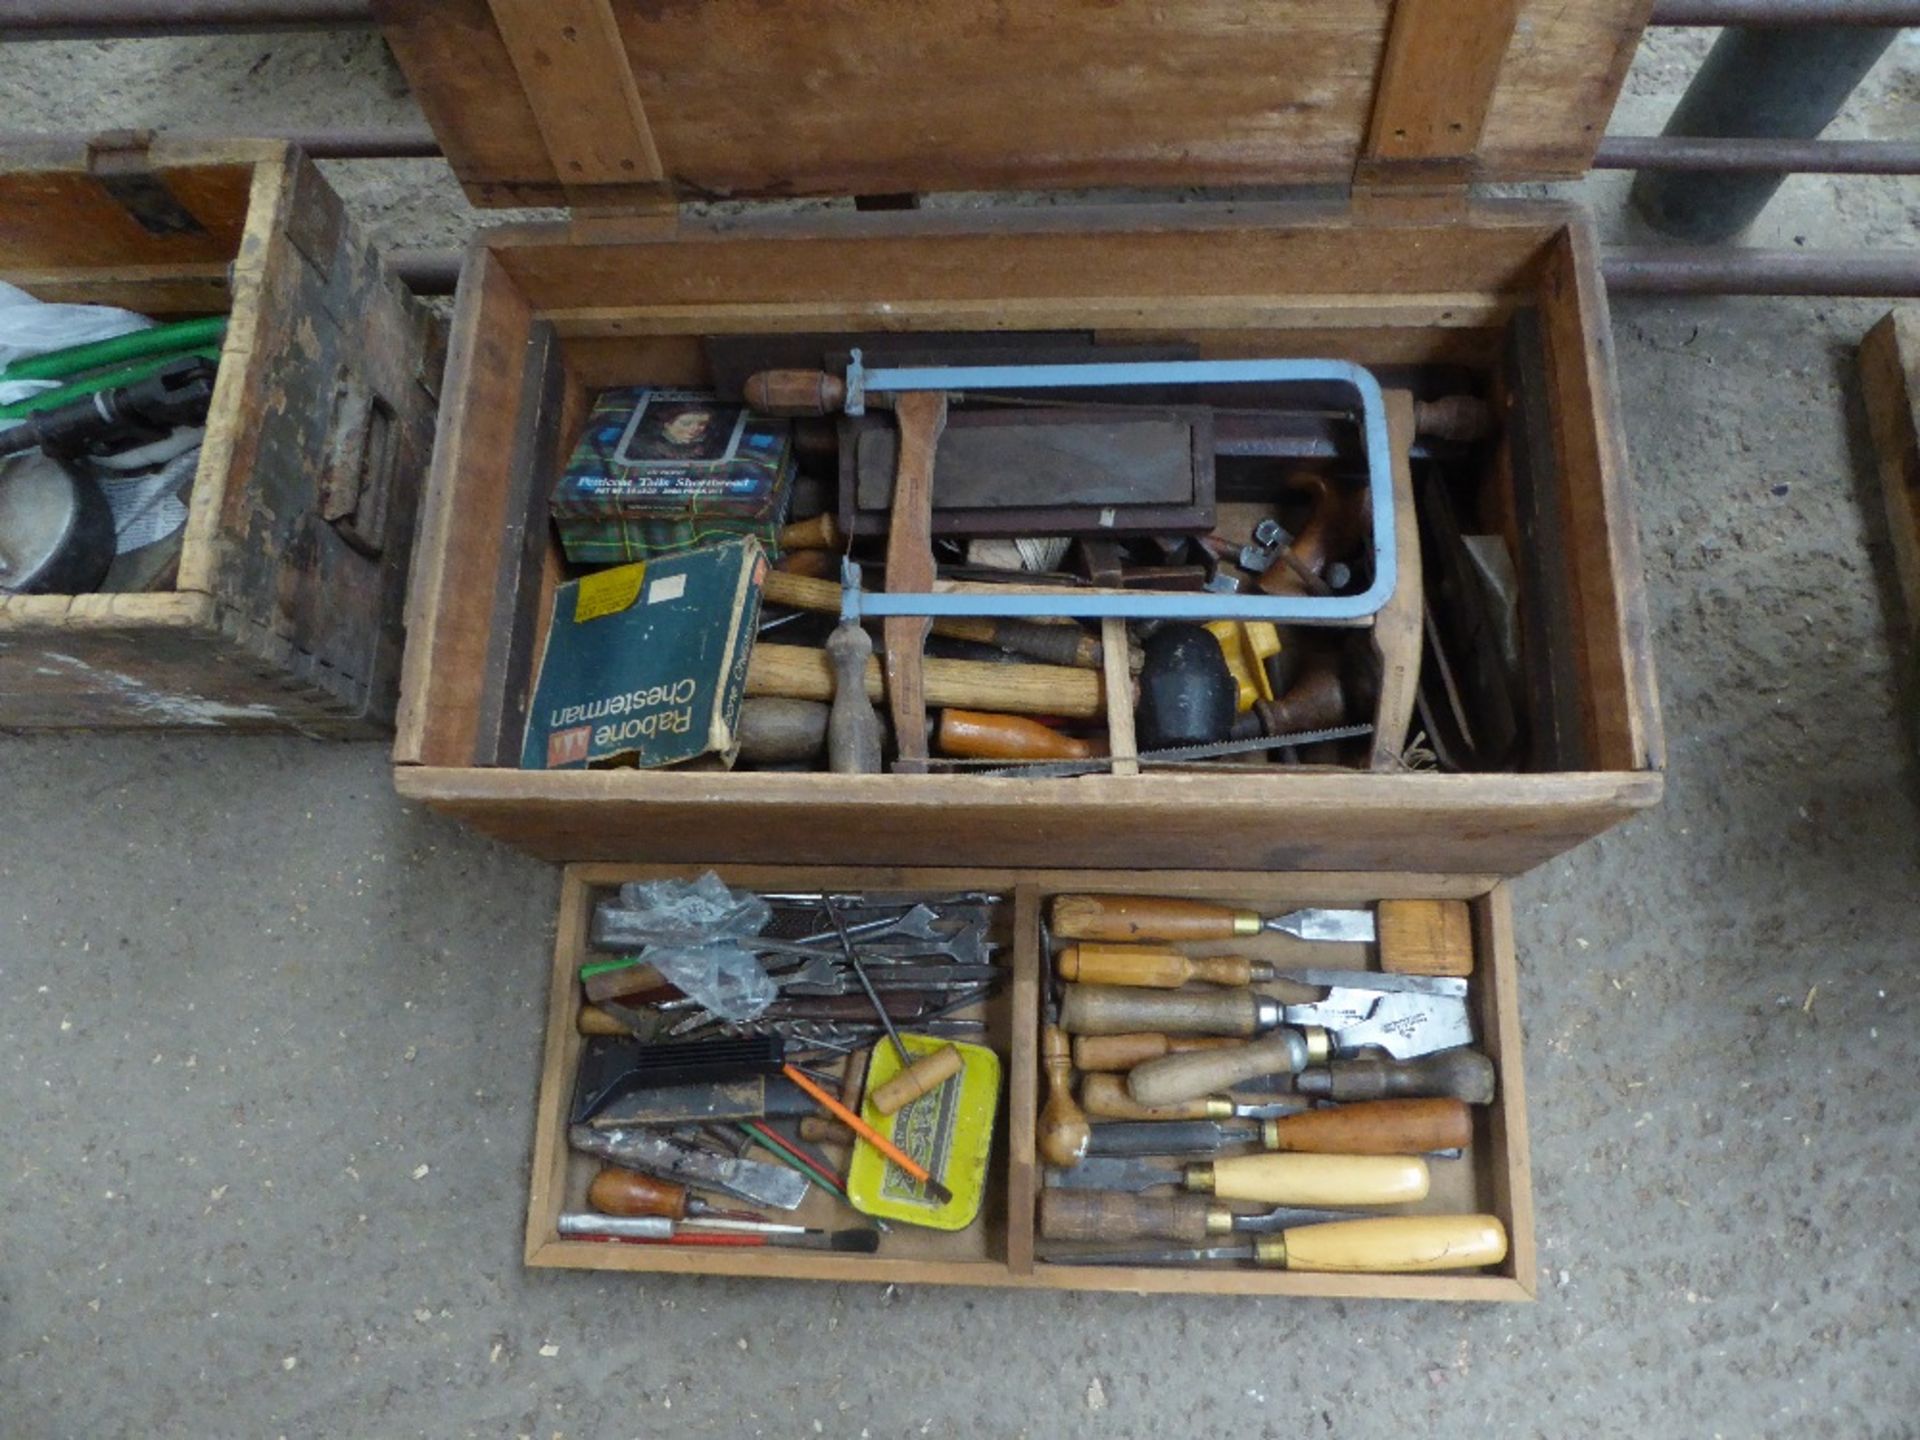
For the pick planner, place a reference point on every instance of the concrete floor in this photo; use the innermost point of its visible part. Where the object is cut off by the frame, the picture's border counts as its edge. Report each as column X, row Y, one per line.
column 268, row 1036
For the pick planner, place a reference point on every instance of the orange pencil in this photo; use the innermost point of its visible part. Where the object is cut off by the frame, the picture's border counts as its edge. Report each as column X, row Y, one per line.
column 867, row 1133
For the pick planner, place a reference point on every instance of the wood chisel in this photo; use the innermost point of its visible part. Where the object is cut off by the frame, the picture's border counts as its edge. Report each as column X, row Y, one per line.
column 1264, row 1179
column 1383, row 1127
column 1401, row 1015
column 1108, row 1216
column 1424, row 937
column 1105, row 1096
column 1397, row 1244
column 754, row 1181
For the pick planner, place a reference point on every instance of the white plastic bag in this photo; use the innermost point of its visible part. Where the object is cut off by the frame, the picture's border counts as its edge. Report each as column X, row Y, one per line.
column 33, row 327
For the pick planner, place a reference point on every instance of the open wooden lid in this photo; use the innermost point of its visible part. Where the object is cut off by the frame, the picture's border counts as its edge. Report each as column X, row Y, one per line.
column 617, row 103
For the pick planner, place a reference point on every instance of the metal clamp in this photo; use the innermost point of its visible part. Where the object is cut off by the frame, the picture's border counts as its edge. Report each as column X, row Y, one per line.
column 856, row 603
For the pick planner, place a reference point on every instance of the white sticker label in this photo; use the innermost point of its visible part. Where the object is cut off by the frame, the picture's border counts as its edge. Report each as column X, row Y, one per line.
column 1108, row 518
column 667, row 587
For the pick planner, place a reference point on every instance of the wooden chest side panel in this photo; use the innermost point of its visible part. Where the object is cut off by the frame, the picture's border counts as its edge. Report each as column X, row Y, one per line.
column 314, row 529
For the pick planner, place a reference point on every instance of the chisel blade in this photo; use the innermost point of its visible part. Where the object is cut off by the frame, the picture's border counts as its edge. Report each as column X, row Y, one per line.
column 1148, row 1257
column 1379, row 980
column 1126, row 1138
column 1108, row 1172
column 1318, row 924
column 1404, row 1025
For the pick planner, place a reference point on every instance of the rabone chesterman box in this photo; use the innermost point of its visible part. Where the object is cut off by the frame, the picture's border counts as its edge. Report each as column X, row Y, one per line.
column 1259, row 566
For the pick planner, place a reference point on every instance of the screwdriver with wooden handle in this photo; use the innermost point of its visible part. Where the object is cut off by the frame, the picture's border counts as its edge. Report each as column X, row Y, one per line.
column 1381, row 1127
column 1275, row 1179
column 615, row 1191
column 1385, row 1244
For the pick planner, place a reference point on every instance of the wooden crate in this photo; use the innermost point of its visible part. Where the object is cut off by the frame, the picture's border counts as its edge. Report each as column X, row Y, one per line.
column 1492, row 1177
column 623, row 111
column 286, row 612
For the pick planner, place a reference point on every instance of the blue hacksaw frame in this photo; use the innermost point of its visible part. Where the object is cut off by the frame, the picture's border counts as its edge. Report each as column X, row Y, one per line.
column 857, row 603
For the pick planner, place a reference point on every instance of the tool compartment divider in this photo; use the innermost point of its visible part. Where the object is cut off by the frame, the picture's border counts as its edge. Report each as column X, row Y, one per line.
column 1023, row 1082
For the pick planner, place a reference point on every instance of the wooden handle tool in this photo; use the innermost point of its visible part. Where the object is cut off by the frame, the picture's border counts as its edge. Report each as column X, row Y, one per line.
column 1462, row 1074
column 1154, row 966
column 1379, row 1127
column 921, row 416
column 1426, row 937
column 819, row 533
column 806, row 673
column 615, row 1191
column 1111, row 1215
column 1174, row 1078
column 795, row 392
column 1123, row 1052
column 1066, row 645
column 594, row 1021
column 986, row 736
column 853, row 730
column 1105, row 1097
column 1118, row 1009
column 929, row 1072
column 1281, row 1179
column 1148, row 917
column 1064, row 1131
column 774, row 731
column 1385, row 1244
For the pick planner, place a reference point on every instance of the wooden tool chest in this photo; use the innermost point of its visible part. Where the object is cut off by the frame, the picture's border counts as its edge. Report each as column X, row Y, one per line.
column 286, row 611
column 622, row 112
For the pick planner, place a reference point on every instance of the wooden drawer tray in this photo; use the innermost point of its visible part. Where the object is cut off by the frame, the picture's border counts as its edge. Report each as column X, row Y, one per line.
column 1492, row 1177
column 548, row 315
column 286, row 612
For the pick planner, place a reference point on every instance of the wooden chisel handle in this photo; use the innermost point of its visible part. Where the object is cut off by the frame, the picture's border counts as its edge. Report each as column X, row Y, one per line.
column 1106, row 1098
column 1064, row 1131
column 1173, row 1078
column 1378, row 1127
column 1154, row 966
column 1461, row 1074
column 1117, row 1009
column 819, row 533
column 1314, row 1179
column 1123, row 1052
column 929, row 1072
column 805, row 673
column 1398, row 1244
column 985, row 736
column 823, row 1130
column 1117, row 1215
column 594, row 1021
column 1147, row 917
column 795, row 392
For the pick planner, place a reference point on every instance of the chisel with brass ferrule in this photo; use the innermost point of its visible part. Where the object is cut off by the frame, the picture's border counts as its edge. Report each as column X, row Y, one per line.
column 1397, row 1244
column 1264, row 1179
column 1422, row 937
column 1384, row 1127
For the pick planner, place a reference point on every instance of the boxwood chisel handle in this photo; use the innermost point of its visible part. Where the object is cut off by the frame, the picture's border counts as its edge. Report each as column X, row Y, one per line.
column 1399, row 1244
column 929, row 1072
column 1148, row 917
column 1117, row 1215
column 1105, row 1096
column 1123, row 1052
column 1314, row 1179
column 1174, row 1078
column 1118, row 1009
column 1425, row 937
column 1460, row 1074
column 1064, row 1131
column 1154, row 966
